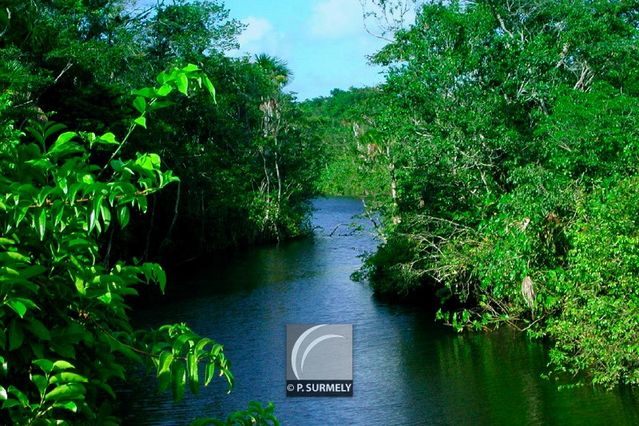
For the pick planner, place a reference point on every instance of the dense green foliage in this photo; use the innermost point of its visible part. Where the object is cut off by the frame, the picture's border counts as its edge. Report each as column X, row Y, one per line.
column 75, row 236
column 341, row 121
column 501, row 154
column 247, row 165
column 66, row 336
column 507, row 151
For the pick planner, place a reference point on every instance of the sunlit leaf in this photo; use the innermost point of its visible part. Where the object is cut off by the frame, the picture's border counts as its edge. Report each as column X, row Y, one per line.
column 42, row 223
column 67, row 391
column 17, row 306
column 141, row 121
column 182, row 83
column 108, row 139
column 164, row 90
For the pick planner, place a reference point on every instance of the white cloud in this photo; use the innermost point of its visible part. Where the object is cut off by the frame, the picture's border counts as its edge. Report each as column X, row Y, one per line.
column 260, row 36
column 336, row 19
column 257, row 29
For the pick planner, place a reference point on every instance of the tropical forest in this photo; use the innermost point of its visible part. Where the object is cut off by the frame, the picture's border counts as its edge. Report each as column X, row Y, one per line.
column 182, row 180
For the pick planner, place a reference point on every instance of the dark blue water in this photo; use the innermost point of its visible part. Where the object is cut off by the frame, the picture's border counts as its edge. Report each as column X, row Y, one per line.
column 407, row 369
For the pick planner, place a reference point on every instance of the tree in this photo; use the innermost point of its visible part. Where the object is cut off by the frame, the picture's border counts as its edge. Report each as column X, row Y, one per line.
column 66, row 333
column 502, row 120
column 276, row 68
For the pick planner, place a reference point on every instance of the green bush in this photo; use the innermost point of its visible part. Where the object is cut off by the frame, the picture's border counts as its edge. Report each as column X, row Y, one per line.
column 597, row 330
column 65, row 334
column 504, row 130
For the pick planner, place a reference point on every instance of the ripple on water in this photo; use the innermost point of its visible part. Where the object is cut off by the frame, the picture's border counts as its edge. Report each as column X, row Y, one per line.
column 407, row 369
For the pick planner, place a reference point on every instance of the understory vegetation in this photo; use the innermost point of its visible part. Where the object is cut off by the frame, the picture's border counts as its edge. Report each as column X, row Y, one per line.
column 502, row 151
column 501, row 155
column 129, row 137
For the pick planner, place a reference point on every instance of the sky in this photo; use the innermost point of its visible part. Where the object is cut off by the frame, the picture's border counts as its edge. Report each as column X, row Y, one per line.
column 323, row 42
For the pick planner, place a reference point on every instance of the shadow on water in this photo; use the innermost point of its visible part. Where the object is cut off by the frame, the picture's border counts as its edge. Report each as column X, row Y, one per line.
column 407, row 369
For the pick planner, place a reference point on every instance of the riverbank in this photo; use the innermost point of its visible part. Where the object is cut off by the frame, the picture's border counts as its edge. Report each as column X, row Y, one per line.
column 408, row 370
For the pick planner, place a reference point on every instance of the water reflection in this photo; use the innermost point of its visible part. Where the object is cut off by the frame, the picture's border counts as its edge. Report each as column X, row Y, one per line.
column 407, row 370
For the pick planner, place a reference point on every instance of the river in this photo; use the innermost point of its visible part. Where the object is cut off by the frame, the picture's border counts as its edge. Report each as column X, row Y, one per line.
column 407, row 369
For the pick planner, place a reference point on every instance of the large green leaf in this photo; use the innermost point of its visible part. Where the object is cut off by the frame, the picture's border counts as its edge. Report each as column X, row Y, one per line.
column 69, row 391
column 64, row 145
column 18, row 306
column 182, row 83
column 140, row 104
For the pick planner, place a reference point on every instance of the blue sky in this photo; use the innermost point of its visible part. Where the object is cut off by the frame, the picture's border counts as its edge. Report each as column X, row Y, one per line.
column 323, row 41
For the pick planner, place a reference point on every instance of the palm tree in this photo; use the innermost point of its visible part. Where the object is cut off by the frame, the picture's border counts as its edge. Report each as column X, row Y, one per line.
column 276, row 68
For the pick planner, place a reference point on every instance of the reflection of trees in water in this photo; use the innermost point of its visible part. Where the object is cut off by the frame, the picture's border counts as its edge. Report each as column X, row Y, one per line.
column 495, row 379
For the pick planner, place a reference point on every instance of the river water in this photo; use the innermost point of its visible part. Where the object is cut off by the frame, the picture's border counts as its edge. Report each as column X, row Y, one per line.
column 407, row 369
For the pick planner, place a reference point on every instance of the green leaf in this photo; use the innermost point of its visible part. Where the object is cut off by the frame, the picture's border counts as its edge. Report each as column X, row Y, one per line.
column 68, row 377
column 194, row 380
column 106, row 297
column 181, row 341
column 179, row 380
column 209, row 86
column 105, row 212
column 202, row 344
column 40, row 382
column 190, row 68
column 41, row 163
column 53, row 128
column 65, row 137
column 140, row 104
column 17, row 306
column 161, row 104
column 164, row 371
column 146, row 92
column 62, row 348
column 80, row 285
column 64, row 146
column 67, row 405
column 140, row 121
column 162, row 78
column 68, row 391
column 182, row 83
column 108, row 139
column 164, row 90
column 44, row 364
column 165, row 362
column 123, row 216
column 92, row 219
column 117, row 165
column 149, row 161
column 3, row 393
column 160, row 276
column 13, row 255
column 62, row 365
column 209, row 373
column 22, row 398
column 42, row 223
column 105, row 387
column 9, row 403
column 89, row 137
